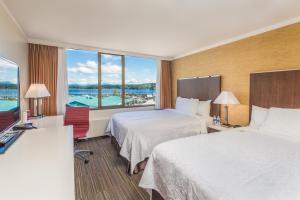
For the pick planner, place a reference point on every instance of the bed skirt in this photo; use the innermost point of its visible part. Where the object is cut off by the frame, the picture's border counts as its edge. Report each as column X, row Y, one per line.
column 156, row 195
column 139, row 167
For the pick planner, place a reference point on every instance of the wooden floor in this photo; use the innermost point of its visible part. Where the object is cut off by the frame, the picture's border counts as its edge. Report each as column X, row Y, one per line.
column 105, row 177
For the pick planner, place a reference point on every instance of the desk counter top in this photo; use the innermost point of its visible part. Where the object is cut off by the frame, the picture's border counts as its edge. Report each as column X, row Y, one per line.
column 39, row 166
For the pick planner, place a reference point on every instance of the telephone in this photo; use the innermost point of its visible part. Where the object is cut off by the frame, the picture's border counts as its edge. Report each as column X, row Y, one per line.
column 25, row 126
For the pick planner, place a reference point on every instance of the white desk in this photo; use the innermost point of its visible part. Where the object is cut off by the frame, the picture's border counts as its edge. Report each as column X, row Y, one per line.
column 48, row 121
column 39, row 166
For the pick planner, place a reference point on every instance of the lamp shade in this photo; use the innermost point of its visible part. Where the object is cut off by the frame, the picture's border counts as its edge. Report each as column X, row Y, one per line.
column 226, row 97
column 37, row 91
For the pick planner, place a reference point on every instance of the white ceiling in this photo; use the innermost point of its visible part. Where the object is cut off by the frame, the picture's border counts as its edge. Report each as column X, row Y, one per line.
column 167, row 28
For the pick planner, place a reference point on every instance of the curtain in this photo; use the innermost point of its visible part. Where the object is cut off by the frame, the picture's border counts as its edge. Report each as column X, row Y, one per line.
column 43, row 61
column 157, row 98
column 62, row 83
column 165, row 85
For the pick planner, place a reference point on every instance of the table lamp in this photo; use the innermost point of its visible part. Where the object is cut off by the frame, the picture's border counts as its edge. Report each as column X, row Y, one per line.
column 37, row 92
column 226, row 98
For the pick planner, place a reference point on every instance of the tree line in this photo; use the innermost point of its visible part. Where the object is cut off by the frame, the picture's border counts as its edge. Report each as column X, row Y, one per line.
column 150, row 86
column 8, row 85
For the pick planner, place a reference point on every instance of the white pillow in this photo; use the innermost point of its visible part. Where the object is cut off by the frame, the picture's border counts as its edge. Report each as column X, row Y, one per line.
column 204, row 108
column 283, row 122
column 186, row 106
column 258, row 116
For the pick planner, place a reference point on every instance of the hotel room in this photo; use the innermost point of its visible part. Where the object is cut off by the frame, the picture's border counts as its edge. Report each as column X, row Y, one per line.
column 161, row 100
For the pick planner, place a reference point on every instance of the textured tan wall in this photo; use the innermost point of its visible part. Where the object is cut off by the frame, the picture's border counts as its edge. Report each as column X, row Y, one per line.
column 275, row 50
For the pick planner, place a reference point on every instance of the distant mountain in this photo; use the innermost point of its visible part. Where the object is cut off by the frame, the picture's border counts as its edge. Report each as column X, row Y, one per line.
column 114, row 86
column 8, row 85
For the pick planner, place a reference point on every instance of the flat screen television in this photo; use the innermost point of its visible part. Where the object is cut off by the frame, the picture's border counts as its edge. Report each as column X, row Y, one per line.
column 9, row 94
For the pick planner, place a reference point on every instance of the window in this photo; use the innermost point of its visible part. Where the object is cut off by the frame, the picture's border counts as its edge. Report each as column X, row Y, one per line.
column 140, row 79
column 111, row 80
column 118, row 81
column 82, row 78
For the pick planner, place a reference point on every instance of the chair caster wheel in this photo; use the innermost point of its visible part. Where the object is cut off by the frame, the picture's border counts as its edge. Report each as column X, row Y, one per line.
column 86, row 161
column 91, row 153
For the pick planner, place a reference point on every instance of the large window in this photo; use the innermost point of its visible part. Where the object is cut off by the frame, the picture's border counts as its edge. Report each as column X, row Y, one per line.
column 83, row 78
column 117, row 80
column 111, row 80
column 140, row 80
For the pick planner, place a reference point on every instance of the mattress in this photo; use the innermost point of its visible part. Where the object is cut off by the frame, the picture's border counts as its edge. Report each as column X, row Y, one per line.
column 139, row 132
column 230, row 165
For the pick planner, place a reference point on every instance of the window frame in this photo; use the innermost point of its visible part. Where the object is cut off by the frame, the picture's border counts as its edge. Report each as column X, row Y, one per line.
column 123, row 85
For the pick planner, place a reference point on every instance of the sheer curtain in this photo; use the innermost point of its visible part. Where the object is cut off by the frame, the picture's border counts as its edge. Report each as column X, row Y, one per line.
column 62, row 83
column 157, row 98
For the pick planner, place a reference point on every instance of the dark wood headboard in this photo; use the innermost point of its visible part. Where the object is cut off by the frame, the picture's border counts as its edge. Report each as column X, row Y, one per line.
column 202, row 88
column 275, row 89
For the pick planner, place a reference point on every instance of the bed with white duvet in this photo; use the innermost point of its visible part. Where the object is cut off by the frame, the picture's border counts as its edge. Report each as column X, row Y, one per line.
column 260, row 162
column 137, row 133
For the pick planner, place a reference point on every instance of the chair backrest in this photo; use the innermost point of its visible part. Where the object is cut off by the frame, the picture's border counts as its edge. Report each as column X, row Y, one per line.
column 79, row 118
column 6, row 119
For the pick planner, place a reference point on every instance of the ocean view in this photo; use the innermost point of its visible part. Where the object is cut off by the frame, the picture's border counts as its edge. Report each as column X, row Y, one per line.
column 88, row 97
column 8, row 99
column 137, row 75
column 111, row 97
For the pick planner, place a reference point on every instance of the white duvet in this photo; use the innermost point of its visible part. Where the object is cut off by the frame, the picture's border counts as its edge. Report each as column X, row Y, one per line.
column 139, row 132
column 231, row 165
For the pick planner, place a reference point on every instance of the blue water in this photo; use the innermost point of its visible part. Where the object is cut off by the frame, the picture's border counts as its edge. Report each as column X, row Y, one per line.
column 8, row 93
column 92, row 102
column 107, row 92
column 6, row 104
column 81, row 97
column 78, row 96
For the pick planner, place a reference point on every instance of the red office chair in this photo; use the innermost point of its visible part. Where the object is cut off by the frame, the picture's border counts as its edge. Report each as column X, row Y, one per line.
column 79, row 118
column 7, row 118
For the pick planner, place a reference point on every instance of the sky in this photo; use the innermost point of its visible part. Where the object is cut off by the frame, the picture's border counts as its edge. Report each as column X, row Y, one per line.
column 83, row 68
column 8, row 71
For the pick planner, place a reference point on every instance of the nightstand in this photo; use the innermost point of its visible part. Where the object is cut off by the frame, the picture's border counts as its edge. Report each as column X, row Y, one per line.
column 217, row 128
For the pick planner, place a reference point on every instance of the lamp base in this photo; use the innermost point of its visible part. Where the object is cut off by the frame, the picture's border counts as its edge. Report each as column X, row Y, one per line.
column 37, row 116
column 227, row 125
column 226, row 115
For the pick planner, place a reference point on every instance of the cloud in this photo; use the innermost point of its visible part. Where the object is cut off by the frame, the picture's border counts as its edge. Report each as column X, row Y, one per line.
column 83, row 81
column 112, row 79
column 111, row 68
column 88, row 63
column 107, row 56
column 90, row 67
column 7, row 79
column 135, row 81
column 147, row 80
column 6, row 64
column 14, row 80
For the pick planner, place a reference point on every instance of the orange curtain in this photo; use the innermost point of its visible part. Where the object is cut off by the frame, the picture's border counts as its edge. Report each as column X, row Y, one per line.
column 165, row 85
column 43, row 61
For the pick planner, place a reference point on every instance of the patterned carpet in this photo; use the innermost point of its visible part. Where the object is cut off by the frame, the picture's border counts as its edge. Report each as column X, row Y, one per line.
column 105, row 177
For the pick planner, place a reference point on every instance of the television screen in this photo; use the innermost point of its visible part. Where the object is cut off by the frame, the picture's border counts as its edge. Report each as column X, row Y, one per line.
column 9, row 94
